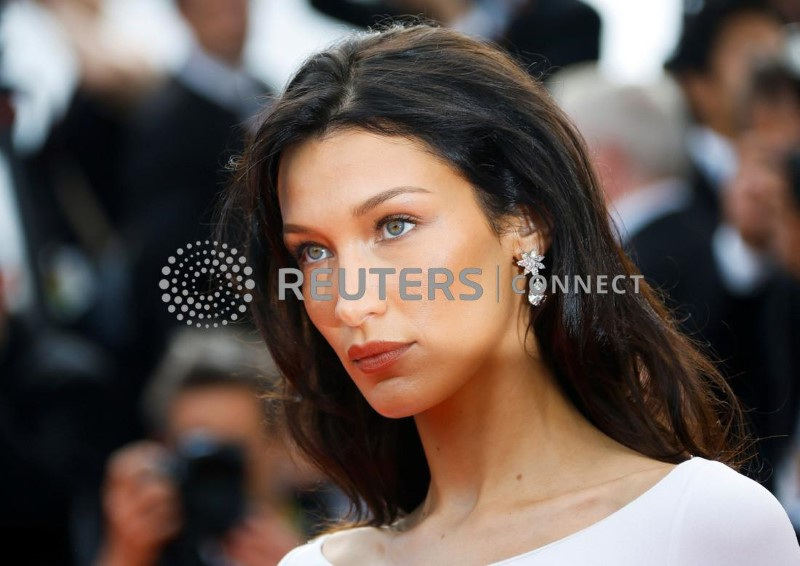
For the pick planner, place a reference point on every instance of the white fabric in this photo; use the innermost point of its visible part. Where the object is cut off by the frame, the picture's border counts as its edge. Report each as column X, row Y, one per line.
column 229, row 87
column 787, row 479
column 713, row 154
column 743, row 268
column 16, row 287
column 39, row 65
column 487, row 18
column 702, row 513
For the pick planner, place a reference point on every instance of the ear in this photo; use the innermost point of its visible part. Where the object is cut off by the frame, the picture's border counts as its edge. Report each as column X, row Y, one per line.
column 525, row 232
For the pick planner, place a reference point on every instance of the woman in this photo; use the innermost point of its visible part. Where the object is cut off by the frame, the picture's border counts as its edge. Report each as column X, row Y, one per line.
column 565, row 427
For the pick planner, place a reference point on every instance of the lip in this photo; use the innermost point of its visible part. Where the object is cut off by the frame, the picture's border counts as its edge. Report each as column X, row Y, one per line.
column 375, row 356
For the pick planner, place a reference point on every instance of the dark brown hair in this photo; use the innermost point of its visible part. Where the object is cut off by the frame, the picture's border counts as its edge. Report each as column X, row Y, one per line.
column 617, row 357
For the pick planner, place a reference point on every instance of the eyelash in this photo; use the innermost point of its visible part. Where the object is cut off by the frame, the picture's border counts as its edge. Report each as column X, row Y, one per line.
column 301, row 248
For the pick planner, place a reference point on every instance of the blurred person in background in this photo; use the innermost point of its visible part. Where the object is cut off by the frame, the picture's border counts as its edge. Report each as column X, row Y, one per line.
column 54, row 50
column 74, row 174
column 544, row 34
column 717, row 50
column 55, row 397
column 55, row 416
column 722, row 278
column 71, row 205
column 183, row 135
column 763, row 203
column 175, row 163
column 77, row 78
column 636, row 135
column 643, row 175
column 113, row 68
column 178, row 499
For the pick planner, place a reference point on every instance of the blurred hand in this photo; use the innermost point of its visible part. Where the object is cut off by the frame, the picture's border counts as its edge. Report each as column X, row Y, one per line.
column 140, row 504
column 261, row 540
column 114, row 70
column 752, row 199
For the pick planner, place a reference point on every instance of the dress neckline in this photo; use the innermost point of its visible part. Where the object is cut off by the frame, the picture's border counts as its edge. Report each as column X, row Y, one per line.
column 648, row 493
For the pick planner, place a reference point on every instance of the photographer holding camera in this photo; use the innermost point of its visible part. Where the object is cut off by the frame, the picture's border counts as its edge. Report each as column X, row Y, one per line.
column 218, row 489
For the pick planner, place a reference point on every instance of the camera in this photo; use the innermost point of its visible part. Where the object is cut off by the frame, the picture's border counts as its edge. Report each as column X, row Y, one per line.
column 210, row 478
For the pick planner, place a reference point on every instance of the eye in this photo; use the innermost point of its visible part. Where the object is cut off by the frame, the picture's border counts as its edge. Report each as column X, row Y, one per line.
column 395, row 226
column 311, row 253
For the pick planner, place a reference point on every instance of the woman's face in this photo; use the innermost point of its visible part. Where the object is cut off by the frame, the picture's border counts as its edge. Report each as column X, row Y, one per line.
column 360, row 200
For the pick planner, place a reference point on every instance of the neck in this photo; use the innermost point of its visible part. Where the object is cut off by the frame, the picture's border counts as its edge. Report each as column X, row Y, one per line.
column 230, row 59
column 505, row 429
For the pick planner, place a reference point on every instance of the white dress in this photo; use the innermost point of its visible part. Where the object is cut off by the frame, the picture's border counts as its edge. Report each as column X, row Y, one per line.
column 702, row 513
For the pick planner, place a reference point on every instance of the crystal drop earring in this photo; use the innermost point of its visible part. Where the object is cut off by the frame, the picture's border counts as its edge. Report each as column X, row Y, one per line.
column 532, row 262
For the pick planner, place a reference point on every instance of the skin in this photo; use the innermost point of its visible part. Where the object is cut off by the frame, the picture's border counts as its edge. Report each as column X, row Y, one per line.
column 140, row 506
column 219, row 27
column 717, row 94
column 513, row 465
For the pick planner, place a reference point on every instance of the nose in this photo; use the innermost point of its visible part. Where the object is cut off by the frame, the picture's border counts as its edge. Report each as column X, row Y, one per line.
column 357, row 292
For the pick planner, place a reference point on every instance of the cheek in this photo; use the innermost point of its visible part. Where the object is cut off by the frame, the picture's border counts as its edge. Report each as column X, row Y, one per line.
column 457, row 341
column 321, row 314
column 463, row 335
column 456, row 346
column 466, row 316
column 320, row 310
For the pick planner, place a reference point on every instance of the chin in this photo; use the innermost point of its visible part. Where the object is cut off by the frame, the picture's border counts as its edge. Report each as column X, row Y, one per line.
column 393, row 410
column 395, row 404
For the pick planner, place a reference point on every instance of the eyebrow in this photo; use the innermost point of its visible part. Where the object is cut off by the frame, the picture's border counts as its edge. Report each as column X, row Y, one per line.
column 365, row 206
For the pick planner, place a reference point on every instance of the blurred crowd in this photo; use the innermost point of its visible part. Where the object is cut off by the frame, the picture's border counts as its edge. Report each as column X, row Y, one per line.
column 128, row 438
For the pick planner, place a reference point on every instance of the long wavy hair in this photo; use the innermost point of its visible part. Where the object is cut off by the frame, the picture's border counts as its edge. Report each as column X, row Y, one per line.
column 618, row 358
